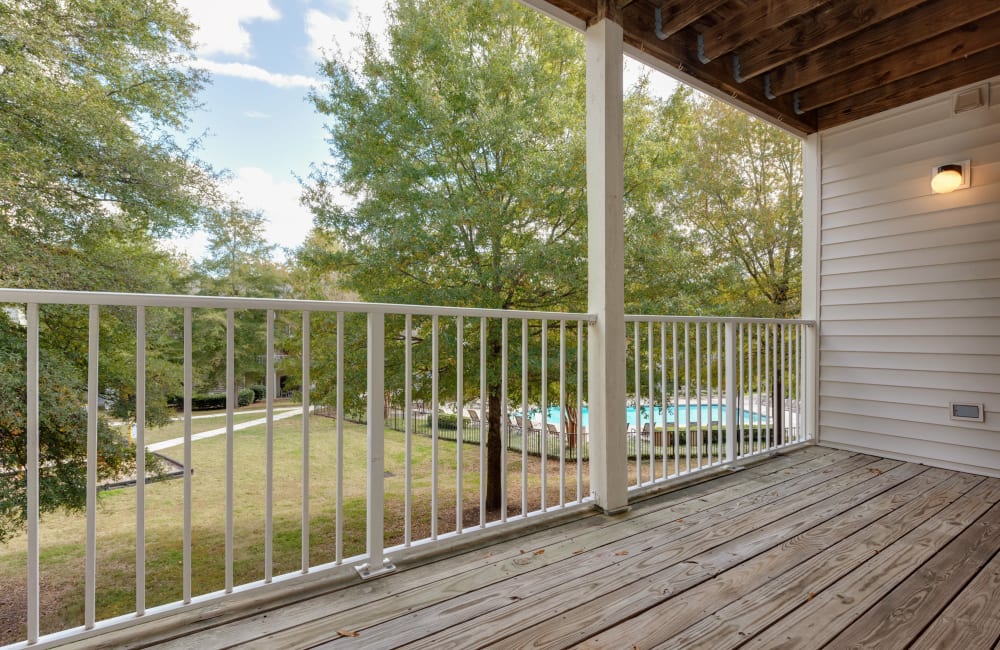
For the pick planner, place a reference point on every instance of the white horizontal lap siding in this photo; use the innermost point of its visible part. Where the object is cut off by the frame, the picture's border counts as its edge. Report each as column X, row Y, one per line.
column 910, row 286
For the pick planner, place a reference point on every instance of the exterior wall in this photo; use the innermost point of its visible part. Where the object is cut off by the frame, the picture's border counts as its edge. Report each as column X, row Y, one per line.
column 909, row 286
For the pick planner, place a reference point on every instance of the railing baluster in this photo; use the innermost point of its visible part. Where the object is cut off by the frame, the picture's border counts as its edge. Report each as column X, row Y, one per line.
column 435, row 386
column 31, row 372
column 663, row 397
column 652, row 401
column 677, row 409
column 306, row 380
column 525, row 421
column 339, row 526
column 92, row 366
column 269, row 451
column 720, row 379
column 732, row 406
column 188, row 391
column 799, row 392
column 140, row 461
column 482, row 420
column 408, row 434
column 579, row 410
column 460, row 421
column 504, row 429
column 230, row 441
column 637, row 372
column 741, row 390
column 687, row 398
column 708, row 379
column 543, row 433
column 562, row 413
column 697, row 387
column 760, row 393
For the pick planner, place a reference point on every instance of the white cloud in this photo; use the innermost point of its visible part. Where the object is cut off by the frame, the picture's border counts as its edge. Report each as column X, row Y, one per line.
column 257, row 73
column 256, row 115
column 329, row 33
column 220, row 23
column 258, row 189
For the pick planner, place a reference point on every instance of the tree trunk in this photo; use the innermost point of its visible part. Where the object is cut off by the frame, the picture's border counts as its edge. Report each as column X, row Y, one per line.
column 494, row 447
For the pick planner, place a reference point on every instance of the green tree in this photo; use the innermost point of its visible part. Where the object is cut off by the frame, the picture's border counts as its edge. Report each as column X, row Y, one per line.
column 239, row 262
column 740, row 201
column 91, row 176
column 62, row 435
column 464, row 147
column 90, row 95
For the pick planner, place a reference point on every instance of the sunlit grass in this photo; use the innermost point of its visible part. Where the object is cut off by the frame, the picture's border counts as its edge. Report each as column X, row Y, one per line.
column 62, row 537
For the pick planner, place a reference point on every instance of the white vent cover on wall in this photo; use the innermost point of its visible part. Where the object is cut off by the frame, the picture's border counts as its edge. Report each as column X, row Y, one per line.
column 971, row 99
column 969, row 412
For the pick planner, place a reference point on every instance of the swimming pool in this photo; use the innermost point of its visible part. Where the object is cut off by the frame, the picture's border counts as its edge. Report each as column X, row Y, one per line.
column 682, row 414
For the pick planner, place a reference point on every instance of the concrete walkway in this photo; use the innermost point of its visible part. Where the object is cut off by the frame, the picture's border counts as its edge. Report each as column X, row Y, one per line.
column 173, row 442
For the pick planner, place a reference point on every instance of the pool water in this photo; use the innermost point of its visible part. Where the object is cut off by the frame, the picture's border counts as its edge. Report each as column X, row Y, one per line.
column 682, row 414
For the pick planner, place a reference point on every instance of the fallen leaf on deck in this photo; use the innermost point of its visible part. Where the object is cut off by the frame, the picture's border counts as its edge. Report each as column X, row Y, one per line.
column 811, row 595
column 622, row 553
column 578, row 551
column 348, row 633
column 539, row 551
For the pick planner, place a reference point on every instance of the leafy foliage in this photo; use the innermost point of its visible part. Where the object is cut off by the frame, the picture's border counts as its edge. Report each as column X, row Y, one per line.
column 62, row 435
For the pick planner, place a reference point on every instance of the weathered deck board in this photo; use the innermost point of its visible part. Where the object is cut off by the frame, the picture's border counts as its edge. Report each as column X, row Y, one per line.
column 898, row 618
column 637, row 532
column 680, row 534
column 428, row 584
column 814, row 548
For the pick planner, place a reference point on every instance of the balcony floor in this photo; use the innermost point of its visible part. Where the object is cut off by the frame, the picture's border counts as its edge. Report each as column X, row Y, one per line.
column 816, row 547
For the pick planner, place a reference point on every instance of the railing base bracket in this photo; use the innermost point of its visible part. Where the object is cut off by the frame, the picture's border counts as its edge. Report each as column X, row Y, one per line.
column 366, row 572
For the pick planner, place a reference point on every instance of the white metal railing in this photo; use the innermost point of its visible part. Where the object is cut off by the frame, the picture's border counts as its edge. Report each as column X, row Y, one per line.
column 537, row 356
column 707, row 391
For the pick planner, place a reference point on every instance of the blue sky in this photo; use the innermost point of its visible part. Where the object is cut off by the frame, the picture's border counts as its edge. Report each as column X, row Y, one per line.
column 263, row 56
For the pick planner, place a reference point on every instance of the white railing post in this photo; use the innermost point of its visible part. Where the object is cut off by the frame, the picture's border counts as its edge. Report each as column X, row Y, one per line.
column 732, row 403
column 377, row 563
column 810, row 392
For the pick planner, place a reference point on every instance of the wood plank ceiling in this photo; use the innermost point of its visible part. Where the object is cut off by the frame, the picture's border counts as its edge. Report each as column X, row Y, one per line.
column 814, row 64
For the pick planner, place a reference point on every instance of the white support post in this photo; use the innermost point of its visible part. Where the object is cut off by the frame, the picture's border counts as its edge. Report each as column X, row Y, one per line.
column 812, row 159
column 377, row 563
column 606, row 263
column 732, row 403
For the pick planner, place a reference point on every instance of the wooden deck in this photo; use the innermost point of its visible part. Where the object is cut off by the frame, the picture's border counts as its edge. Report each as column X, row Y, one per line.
column 817, row 548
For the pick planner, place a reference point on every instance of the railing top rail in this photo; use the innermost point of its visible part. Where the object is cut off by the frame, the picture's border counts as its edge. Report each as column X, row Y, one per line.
column 642, row 318
column 47, row 296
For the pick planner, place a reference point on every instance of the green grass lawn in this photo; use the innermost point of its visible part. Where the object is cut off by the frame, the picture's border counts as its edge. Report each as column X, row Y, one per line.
column 62, row 536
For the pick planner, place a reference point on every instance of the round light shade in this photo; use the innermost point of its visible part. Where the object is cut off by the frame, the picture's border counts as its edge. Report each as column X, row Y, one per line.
column 947, row 179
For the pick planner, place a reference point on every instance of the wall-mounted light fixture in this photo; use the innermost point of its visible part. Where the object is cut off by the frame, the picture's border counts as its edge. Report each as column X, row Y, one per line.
column 950, row 177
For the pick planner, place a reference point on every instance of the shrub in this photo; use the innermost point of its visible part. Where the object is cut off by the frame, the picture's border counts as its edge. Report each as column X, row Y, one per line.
column 259, row 392
column 445, row 421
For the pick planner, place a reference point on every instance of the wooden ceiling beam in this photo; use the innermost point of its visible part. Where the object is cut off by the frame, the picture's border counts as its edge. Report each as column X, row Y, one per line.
column 954, row 45
column 583, row 9
column 812, row 31
column 678, row 14
column 977, row 67
column 923, row 22
column 749, row 24
column 680, row 52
